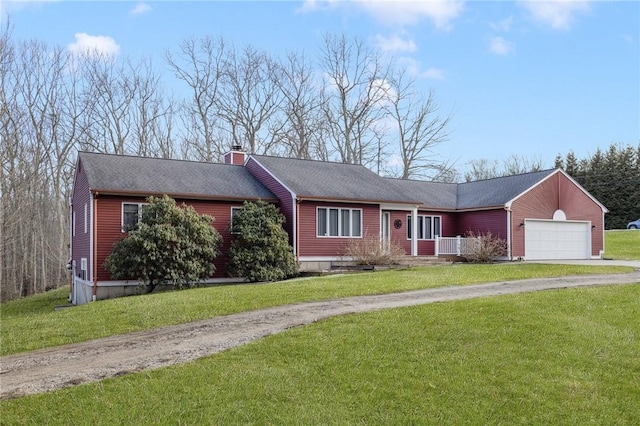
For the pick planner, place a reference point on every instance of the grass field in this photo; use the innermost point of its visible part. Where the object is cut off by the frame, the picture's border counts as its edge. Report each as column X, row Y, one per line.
column 33, row 323
column 622, row 244
column 556, row 357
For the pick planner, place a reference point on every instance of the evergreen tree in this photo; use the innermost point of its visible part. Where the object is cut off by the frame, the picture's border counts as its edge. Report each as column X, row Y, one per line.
column 260, row 250
column 613, row 178
column 170, row 245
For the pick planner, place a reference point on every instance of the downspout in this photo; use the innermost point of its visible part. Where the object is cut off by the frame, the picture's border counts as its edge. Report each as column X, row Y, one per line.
column 296, row 233
column 509, row 233
column 69, row 266
column 414, row 231
column 94, row 271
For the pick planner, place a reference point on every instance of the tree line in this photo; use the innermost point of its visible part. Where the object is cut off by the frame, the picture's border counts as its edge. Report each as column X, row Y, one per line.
column 612, row 177
column 347, row 103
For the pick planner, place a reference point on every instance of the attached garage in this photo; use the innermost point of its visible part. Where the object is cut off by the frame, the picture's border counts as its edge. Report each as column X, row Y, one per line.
column 557, row 239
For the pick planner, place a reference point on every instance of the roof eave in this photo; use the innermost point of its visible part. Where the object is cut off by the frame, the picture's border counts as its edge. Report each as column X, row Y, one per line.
column 355, row 200
column 187, row 196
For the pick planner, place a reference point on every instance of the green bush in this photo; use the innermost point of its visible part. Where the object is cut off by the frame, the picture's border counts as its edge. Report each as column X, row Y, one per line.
column 260, row 250
column 171, row 245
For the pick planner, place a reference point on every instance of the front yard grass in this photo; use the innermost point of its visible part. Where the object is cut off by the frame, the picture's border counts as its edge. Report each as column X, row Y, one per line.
column 32, row 323
column 622, row 244
column 555, row 357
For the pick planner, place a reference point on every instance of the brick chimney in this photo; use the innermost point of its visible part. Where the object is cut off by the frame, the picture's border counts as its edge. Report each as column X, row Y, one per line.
column 236, row 156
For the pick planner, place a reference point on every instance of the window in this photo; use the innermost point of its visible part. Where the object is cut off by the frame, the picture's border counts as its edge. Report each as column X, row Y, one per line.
column 234, row 210
column 335, row 222
column 428, row 227
column 83, row 268
column 131, row 215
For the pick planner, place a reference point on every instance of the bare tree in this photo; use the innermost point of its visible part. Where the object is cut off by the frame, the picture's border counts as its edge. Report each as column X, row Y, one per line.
column 513, row 165
column 420, row 129
column 34, row 135
column 482, row 169
column 302, row 131
column 200, row 65
column 353, row 97
column 518, row 164
column 250, row 99
column 51, row 104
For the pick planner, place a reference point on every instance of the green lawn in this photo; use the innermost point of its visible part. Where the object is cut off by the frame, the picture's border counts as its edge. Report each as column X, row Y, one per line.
column 550, row 358
column 622, row 244
column 32, row 323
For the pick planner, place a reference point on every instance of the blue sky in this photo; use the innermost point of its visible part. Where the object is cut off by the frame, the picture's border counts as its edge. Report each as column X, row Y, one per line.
column 527, row 78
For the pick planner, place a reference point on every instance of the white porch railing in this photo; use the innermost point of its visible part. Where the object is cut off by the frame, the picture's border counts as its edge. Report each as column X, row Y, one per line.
column 455, row 245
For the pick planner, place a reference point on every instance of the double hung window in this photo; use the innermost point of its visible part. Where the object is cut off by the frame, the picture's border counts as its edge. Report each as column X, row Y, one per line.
column 336, row 222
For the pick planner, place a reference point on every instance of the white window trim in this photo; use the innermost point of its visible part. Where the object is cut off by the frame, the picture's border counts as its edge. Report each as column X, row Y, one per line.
column 340, row 209
column 233, row 209
column 122, row 213
column 83, row 268
column 432, row 226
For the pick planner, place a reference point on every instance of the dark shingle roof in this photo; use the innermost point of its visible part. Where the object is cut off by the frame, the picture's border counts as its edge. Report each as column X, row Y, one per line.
column 139, row 175
column 494, row 192
column 338, row 181
column 497, row 191
column 306, row 178
column 437, row 195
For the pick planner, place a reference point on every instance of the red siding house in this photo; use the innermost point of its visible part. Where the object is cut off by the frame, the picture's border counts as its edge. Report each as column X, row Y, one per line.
column 542, row 215
column 109, row 191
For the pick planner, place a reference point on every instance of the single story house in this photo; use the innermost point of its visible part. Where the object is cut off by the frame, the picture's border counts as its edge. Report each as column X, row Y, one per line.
column 541, row 215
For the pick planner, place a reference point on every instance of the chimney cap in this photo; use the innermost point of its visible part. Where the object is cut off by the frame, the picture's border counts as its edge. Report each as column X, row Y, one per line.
column 236, row 147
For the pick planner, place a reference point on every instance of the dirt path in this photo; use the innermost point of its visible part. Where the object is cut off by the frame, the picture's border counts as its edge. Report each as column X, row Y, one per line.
column 63, row 366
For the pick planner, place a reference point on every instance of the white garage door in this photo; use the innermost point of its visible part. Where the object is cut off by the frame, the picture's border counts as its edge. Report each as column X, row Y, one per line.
column 552, row 239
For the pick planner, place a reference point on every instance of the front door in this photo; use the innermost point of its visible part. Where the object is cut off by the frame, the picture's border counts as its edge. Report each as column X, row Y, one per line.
column 386, row 231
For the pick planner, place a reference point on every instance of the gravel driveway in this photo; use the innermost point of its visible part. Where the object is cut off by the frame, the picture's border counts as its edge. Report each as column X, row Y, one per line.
column 63, row 366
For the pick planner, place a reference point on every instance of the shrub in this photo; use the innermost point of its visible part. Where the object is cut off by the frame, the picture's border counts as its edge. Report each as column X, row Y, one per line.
column 484, row 248
column 260, row 250
column 171, row 245
column 369, row 250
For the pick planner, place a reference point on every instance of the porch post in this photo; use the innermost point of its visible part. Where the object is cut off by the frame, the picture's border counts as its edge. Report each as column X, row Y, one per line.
column 414, row 232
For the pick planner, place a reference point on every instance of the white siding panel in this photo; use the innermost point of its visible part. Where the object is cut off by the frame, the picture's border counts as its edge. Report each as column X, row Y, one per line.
column 548, row 239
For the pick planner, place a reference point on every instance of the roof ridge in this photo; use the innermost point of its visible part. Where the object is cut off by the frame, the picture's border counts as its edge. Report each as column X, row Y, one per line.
column 514, row 175
column 141, row 157
column 310, row 160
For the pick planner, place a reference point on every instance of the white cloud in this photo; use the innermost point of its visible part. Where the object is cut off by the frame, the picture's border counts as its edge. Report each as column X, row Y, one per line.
column 94, row 45
column 309, row 6
column 434, row 73
column 504, row 25
column 500, row 46
column 395, row 43
column 558, row 14
column 439, row 12
column 397, row 12
column 414, row 69
column 140, row 9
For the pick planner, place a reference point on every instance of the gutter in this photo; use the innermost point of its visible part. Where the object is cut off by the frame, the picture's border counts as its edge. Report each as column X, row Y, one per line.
column 185, row 196
column 95, row 249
